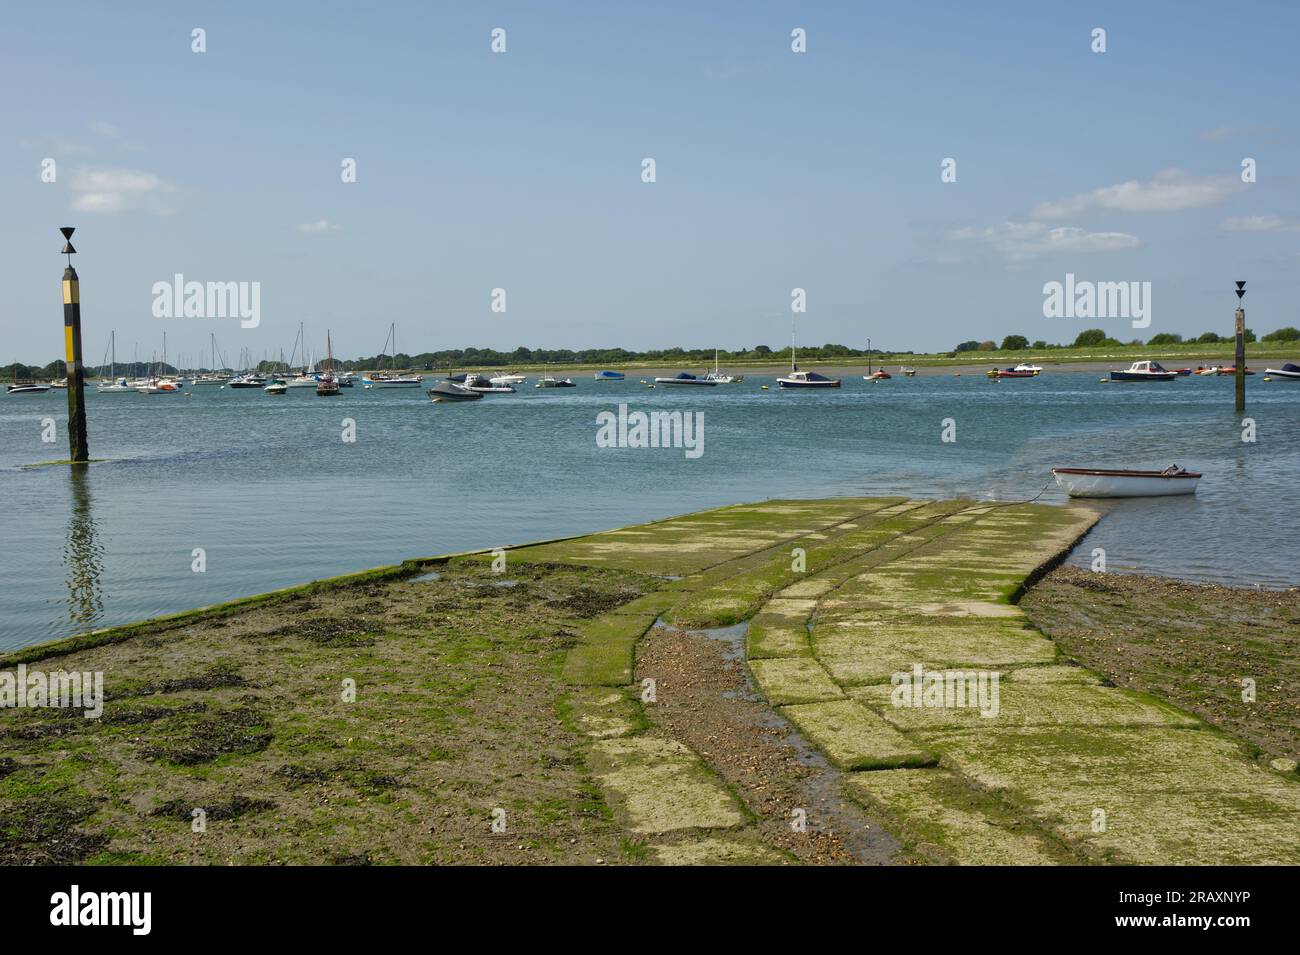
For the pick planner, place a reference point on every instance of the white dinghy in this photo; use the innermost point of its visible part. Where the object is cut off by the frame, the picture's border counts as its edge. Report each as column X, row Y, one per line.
column 1106, row 482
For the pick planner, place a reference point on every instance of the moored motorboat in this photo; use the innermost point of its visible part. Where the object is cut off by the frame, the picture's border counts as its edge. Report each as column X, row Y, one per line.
column 1109, row 482
column 276, row 386
column 1232, row 370
column 609, row 376
column 686, row 378
column 907, row 372
column 1212, row 370
column 807, row 379
column 508, row 379
column 1288, row 372
column 26, row 388
column 248, row 380
column 1025, row 366
column 382, row 380
column 1144, row 371
column 484, row 386
column 450, row 391
column 549, row 382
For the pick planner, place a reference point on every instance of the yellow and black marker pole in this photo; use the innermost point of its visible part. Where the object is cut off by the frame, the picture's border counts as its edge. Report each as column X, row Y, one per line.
column 78, row 448
column 1241, row 349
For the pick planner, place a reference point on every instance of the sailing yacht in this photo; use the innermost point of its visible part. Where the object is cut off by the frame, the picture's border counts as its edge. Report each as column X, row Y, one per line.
column 328, row 386
column 116, row 385
column 155, row 385
column 717, row 376
column 391, row 378
column 803, row 379
column 211, row 377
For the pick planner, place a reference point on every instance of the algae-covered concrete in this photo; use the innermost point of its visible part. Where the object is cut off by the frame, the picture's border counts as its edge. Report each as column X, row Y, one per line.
column 887, row 632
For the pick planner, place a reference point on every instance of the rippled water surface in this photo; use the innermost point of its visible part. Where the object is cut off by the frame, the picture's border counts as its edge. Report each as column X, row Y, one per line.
column 270, row 492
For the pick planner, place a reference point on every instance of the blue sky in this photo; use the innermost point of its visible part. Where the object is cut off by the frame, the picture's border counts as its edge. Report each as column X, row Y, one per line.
column 522, row 170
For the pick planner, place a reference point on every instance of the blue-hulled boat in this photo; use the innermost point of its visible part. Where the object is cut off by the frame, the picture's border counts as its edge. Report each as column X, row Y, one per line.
column 609, row 376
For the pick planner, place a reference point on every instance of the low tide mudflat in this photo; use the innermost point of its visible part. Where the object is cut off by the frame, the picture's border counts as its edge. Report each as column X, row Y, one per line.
column 711, row 688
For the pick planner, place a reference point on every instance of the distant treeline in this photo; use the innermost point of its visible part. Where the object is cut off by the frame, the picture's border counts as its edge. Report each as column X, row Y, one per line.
column 1096, row 337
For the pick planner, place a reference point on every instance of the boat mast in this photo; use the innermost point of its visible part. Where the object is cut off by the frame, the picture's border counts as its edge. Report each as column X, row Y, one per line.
column 868, row 356
column 792, row 342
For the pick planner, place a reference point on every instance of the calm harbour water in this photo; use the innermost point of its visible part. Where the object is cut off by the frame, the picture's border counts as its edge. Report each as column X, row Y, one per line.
column 269, row 490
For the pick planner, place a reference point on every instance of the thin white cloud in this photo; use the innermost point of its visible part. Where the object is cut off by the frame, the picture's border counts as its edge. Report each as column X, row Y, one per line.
column 107, row 189
column 1222, row 134
column 1019, row 241
column 1168, row 191
column 320, row 227
column 1265, row 223
column 107, row 130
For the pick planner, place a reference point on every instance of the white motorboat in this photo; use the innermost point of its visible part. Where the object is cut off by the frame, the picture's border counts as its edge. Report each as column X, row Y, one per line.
column 508, row 379
column 275, row 386
column 550, row 382
column 1025, row 366
column 26, row 388
column 1288, row 372
column 302, row 381
column 248, row 380
column 485, row 386
column 1107, row 482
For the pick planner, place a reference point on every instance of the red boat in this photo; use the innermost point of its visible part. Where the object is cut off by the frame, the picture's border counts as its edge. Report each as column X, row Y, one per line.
column 881, row 375
column 1009, row 373
column 1232, row 370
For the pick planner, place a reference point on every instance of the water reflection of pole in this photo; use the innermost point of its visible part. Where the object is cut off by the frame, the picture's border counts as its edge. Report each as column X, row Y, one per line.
column 82, row 554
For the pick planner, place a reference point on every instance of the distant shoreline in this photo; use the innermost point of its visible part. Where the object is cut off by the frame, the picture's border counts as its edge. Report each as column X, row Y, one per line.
column 1258, row 355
